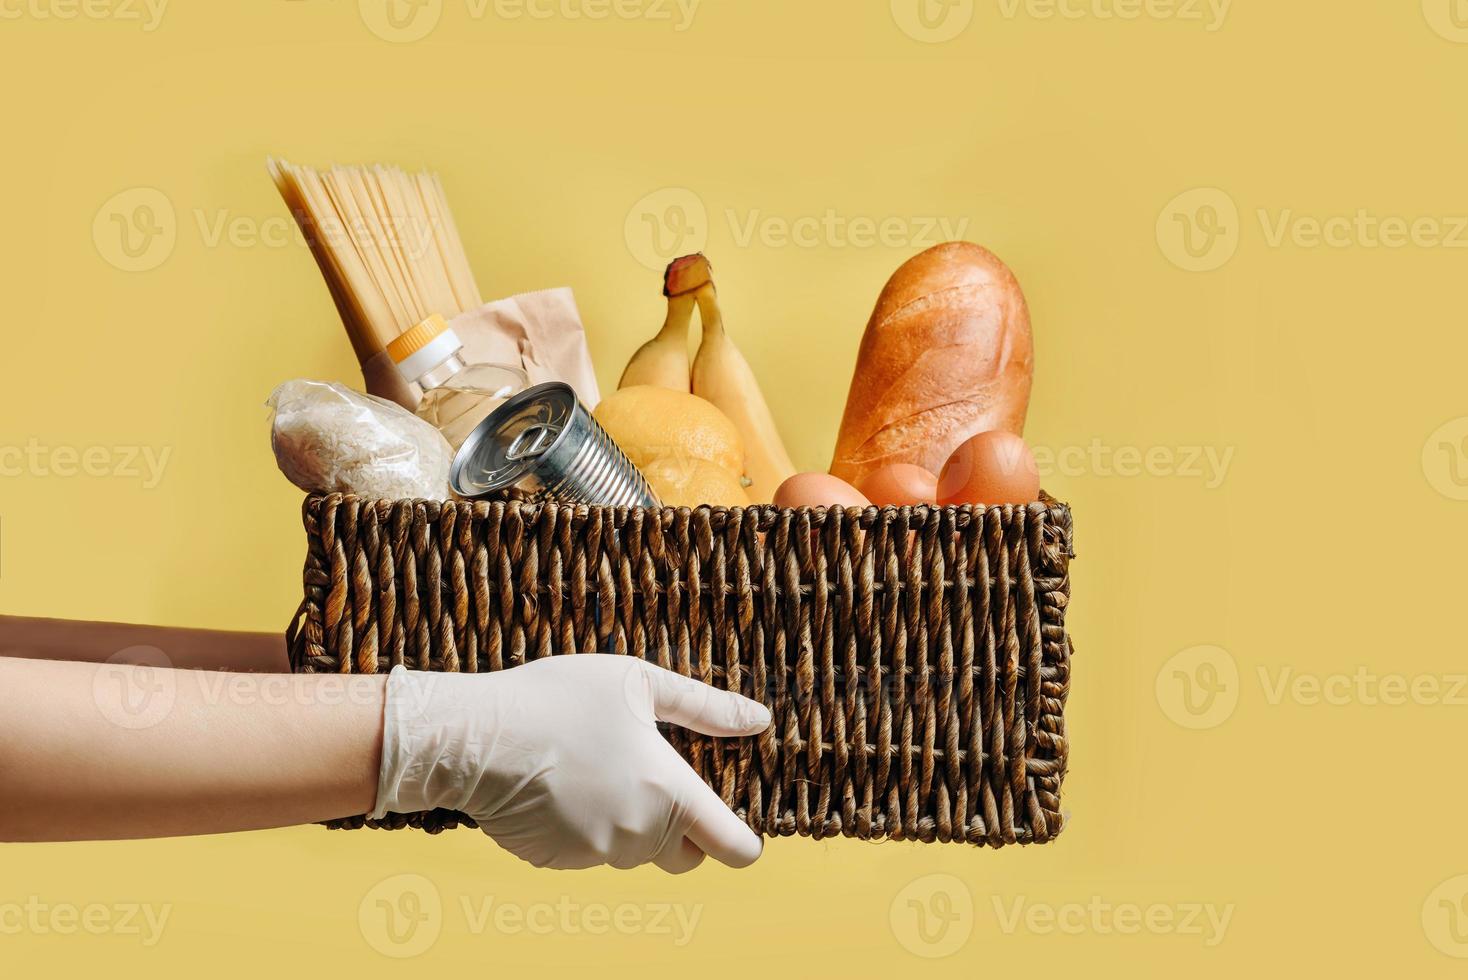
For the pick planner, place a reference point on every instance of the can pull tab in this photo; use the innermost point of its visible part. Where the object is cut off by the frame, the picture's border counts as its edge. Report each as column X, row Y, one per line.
column 533, row 440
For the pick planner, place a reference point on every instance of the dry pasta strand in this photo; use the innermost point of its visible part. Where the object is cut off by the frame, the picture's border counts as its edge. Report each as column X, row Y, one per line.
column 386, row 244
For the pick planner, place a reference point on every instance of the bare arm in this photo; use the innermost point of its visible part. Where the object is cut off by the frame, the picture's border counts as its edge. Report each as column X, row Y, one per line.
column 115, row 751
column 66, row 639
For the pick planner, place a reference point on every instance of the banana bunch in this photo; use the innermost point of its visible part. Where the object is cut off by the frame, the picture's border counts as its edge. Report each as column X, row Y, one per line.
column 720, row 374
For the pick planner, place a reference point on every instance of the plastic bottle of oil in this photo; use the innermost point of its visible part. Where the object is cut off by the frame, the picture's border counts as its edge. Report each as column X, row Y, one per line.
column 457, row 395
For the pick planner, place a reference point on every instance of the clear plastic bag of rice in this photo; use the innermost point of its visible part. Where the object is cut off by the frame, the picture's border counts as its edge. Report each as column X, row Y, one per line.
column 330, row 439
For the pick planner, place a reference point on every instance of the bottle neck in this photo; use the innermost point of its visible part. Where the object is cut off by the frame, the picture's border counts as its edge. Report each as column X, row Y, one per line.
column 442, row 373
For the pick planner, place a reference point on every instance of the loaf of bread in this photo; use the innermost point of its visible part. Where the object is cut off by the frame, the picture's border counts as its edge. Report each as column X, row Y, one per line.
column 947, row 355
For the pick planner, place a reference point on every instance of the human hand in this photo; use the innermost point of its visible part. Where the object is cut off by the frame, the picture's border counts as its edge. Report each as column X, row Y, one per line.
column 560, row 760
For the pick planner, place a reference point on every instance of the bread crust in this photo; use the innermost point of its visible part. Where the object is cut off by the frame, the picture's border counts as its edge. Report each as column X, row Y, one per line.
column 947, row 354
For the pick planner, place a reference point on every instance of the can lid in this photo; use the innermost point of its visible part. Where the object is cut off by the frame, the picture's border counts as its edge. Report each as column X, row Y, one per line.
column 423, row 347
column 513, row 439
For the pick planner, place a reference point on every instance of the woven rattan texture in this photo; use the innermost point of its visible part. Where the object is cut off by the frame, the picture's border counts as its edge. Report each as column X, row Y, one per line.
column 915, row 660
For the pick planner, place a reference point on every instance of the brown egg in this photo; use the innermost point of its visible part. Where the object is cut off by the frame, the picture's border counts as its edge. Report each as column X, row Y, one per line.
column 818, row 490
column 991, row 468
column 899, row 485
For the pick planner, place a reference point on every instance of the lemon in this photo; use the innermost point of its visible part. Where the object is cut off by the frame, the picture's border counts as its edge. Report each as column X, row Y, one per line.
column 651, row 423
column 688, row 482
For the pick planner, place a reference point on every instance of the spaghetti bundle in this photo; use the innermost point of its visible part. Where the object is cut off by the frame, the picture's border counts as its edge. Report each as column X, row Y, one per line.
column 386, row 243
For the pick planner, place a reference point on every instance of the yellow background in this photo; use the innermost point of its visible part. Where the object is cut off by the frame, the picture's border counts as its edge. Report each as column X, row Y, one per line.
column 1331, row 544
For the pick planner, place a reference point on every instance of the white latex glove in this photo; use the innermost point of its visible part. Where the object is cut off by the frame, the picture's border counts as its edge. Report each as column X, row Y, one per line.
column 560, row 760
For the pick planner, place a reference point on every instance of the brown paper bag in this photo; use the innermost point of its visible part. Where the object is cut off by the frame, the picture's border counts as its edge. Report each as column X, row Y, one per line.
column 540, row 332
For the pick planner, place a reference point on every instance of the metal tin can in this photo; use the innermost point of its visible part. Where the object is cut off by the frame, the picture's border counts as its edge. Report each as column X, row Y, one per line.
column 545, row 443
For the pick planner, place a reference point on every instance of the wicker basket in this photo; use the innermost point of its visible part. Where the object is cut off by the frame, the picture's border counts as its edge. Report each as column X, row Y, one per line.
column 916, row 659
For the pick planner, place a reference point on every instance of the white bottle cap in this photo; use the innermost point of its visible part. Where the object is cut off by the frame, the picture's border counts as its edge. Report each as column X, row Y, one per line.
column 422, row 348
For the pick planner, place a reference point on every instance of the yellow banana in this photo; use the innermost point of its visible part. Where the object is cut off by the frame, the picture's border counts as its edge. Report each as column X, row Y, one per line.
column 723, row 376
column 663, row 361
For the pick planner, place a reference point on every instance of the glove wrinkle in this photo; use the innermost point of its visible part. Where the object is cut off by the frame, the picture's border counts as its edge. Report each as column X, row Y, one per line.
column 560, row 762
